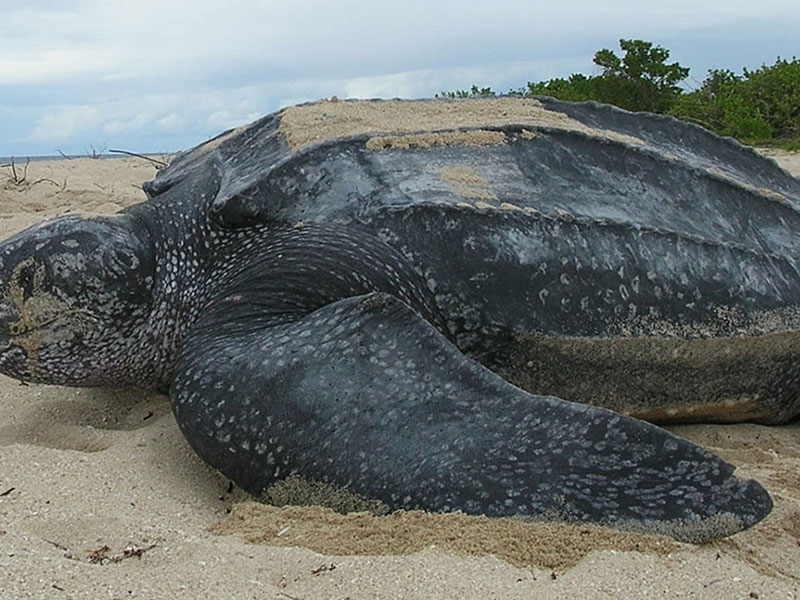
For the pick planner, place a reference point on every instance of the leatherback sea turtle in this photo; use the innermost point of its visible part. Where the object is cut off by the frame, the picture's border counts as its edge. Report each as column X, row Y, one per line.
column 344, row 290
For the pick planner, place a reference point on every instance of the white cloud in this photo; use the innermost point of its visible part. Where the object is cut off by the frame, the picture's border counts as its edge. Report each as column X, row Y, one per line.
column 427, row 82
column 221, row 119
column 66, row 122
column 46, row 65
column 181, row 38
column 128, row 123
column 122, row 76
column 172, row 122
column 394, row 85
column 152, row 74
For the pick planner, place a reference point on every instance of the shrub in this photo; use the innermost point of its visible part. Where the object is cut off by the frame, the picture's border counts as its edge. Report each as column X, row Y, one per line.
column 473, row 92
column 758, row 106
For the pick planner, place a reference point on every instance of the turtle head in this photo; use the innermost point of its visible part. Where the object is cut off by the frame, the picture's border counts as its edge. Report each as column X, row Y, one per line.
column 73, row 292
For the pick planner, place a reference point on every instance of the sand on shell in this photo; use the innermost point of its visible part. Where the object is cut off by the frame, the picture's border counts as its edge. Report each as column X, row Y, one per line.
column 100, row 497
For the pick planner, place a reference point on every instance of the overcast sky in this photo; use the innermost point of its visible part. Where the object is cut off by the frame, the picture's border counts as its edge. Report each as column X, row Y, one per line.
column 164, row 75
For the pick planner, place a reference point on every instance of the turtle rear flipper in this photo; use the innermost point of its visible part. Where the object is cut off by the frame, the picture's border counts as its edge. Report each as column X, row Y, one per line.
column 365, row 394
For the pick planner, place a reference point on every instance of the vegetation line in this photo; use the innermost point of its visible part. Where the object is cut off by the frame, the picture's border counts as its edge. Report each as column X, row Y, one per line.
column 760, row 107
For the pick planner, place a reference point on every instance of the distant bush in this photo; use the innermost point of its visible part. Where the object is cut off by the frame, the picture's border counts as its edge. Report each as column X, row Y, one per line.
column 473, row 92
column 761, row 106
column 641, row 79
column 756, row 107
column 576, row 88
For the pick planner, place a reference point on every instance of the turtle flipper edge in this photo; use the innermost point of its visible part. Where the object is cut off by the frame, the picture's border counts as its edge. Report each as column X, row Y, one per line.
column 365, row 394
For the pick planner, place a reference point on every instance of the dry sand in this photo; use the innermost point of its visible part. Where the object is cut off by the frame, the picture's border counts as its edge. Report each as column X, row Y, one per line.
column 308, row 124
column 100, row 497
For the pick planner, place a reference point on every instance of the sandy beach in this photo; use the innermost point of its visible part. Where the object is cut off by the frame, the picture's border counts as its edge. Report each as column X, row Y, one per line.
column 100, row 496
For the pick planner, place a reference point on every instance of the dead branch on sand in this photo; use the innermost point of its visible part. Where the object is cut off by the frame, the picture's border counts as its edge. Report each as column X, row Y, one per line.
column 19, row 180
column 158, row 163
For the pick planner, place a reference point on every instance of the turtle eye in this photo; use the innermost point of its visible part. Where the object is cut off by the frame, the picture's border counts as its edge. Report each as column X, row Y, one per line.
column 25, row 281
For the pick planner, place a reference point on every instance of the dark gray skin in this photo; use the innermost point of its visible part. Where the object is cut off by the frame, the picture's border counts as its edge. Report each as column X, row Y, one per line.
column 338, row 313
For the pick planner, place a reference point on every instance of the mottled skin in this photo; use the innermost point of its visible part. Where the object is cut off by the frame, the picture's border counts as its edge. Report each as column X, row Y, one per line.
column 310, row 312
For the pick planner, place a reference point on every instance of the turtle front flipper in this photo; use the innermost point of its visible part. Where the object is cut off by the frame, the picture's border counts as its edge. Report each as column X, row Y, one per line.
column 365, row 394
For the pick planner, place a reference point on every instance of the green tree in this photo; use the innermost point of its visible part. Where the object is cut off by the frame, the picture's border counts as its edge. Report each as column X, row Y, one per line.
column 774, row 94
column 576, row 88
column 639, row 80
column 709, row 104
column 753, row 107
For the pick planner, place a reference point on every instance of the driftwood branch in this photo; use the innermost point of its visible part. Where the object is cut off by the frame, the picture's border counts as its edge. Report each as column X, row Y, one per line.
column 20, row 179
column 17, row 178
column 95, row 153
column 61, row 187
column 159, row 163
